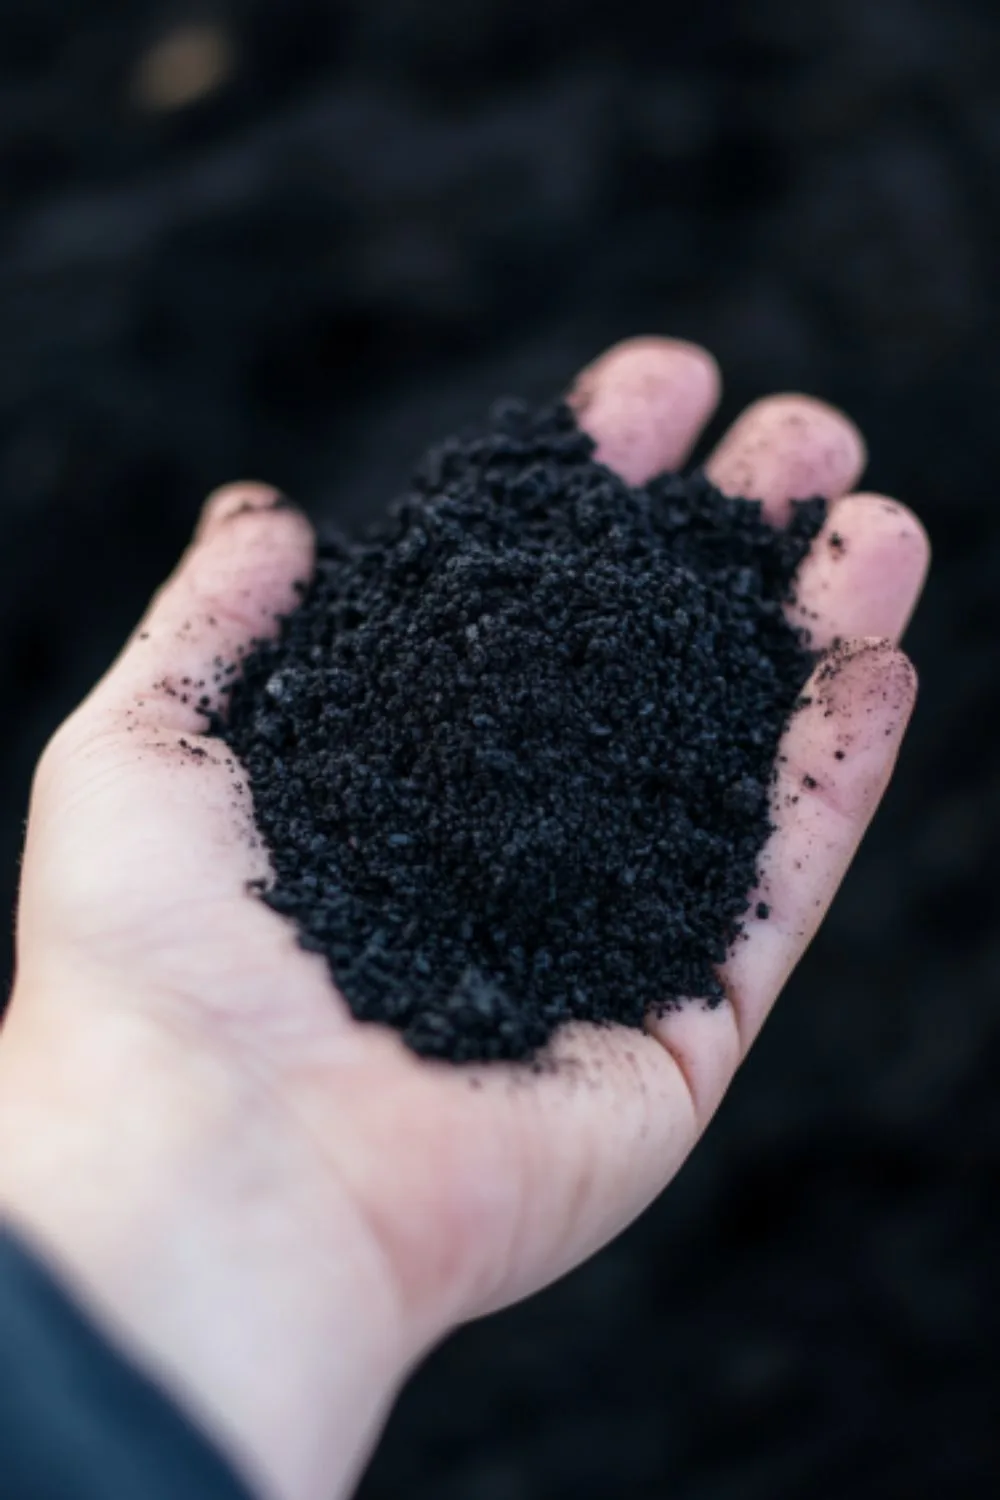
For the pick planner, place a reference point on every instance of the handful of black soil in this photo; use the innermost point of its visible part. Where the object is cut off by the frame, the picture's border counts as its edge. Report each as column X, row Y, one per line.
column 512, row 756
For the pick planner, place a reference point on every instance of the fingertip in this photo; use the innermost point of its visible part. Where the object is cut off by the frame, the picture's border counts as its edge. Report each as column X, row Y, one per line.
column 788, row 447
column 893, row 529
column 251, row 541
column 864, row 573
column 647, row 354
column 252, row 554
column 644, row 402
column 796, row 411
column 229, row 501
column 248, row 563
column 834, row 763
column 652, row 351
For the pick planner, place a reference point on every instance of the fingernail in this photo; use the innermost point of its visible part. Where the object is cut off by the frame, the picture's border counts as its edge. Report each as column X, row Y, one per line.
column 234, row 500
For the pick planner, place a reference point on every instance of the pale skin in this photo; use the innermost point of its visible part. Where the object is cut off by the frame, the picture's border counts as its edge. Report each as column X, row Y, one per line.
column 277, row 1210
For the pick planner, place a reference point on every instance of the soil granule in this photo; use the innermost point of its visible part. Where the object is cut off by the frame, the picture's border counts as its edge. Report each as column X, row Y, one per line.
column 512, row 756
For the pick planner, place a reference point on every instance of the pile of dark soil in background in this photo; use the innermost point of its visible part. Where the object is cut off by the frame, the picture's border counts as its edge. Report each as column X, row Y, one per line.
column 513, row 754
column 388, row 213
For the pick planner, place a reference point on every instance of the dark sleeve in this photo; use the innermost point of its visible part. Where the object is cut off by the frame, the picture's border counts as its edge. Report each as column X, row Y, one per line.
column 77, row 1421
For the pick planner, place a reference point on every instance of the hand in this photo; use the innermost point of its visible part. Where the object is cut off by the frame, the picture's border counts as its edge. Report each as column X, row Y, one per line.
column 278, row 1209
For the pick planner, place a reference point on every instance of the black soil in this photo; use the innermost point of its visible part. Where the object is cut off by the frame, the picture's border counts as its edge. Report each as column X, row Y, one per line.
column 512, row 755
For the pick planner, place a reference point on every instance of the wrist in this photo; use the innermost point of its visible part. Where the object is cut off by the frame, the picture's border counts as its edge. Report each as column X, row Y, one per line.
column 171, row 1199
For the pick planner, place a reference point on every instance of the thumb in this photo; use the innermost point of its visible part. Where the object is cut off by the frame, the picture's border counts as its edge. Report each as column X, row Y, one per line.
column 251, row 555
column 119, row 831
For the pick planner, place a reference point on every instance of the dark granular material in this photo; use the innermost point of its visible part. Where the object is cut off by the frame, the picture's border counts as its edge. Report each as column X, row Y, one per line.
column 512, row 756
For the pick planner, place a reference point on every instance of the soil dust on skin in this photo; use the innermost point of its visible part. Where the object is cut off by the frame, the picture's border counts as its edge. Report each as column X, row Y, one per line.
column 889, row 696
column 207, row 695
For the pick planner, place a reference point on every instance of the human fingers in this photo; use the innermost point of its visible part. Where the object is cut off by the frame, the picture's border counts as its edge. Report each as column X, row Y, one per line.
column 786, row 448
column 864, row 572
column 834, row 763
column 644, row 402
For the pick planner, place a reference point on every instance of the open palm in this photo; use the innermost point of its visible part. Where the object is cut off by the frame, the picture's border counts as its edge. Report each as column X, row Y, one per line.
column 139, row 940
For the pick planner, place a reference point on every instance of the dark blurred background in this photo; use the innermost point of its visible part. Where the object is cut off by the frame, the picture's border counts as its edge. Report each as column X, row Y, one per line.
column 299, row 239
